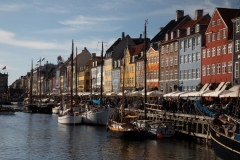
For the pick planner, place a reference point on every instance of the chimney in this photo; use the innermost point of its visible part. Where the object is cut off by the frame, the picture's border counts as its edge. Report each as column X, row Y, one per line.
column 160, row 29
column 140, row 38
column 93, row 55
column 179, row 14
column 123, row 35
column 198, row 13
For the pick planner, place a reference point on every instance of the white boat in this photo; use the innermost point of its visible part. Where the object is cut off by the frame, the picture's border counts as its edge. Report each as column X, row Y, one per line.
column 71, row 115
column 56, row 110
column 96, row 115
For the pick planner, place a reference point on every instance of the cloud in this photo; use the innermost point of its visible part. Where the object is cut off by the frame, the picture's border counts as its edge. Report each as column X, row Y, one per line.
column 80, row 21
column 12, row 7
column 10, row 39
column 56, row 9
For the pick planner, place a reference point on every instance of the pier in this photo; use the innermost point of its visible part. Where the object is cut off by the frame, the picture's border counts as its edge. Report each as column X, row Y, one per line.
column 188, row 124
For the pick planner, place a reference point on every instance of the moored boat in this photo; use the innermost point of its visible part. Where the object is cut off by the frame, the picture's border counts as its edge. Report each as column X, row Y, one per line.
column 6, row 110
column 225, row 135
column 30, row 108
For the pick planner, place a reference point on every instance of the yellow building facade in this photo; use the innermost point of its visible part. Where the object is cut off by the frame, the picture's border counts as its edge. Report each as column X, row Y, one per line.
column 108, row 75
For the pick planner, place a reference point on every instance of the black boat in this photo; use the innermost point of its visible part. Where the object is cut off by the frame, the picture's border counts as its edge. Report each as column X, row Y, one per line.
column 30, row 108
column 225, row 134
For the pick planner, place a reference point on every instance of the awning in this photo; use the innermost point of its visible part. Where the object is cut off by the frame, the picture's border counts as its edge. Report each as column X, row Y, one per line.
column 169, row 94
column 190, row 94
column 176, row 95
column 210, row 93
column 232, row 92
column 155, row 93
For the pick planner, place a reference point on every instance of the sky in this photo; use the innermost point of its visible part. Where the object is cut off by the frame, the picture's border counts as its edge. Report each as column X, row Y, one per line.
column 33, row 29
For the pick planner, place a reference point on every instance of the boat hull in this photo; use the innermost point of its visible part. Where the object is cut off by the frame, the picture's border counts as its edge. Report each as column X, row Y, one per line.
column 96, row 117
column 126, row 133
column 225, row 147
column 30, row 108
column 56, row 110
column 70, row 119
column 7, row 113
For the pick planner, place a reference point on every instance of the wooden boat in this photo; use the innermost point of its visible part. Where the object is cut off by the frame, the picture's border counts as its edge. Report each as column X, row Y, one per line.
column 6, row 110
column 225, row 135
column 69, row 116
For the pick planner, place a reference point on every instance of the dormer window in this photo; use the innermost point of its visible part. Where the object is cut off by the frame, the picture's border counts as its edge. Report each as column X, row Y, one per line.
column 142, row 54
column 188, row 31
column 197, row 28
column 178, row 33
column 115, row 64
column 133, row 59
column 213, row 23
column 166, row 37
column 119, row 63
column 93, row 64
column 171, row 35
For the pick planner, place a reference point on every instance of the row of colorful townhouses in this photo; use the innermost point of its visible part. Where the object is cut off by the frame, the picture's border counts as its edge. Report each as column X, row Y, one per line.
column 184, row 55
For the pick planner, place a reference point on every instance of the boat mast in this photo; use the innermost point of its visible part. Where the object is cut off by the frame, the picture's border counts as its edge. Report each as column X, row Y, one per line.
column 76, row 79
column 123, row 95
column 145, row 71
column 31, row 82
column 72, row 76
column 40, row 94
column 101, row 75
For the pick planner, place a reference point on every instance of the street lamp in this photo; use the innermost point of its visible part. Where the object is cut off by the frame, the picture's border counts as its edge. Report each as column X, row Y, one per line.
column 181, row 85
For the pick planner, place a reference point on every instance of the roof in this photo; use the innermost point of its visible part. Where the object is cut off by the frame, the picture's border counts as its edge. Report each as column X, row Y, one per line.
column 168, row 28
column 134, row 51
column 92, row 60
column 228, row 14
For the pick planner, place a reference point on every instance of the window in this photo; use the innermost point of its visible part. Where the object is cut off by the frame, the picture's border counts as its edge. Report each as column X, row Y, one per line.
column 175, row 74
column 171, row 75
column 237, row 45
column 189, row 43
column 224, row 33
column 213, row 69
column 193, row 57
column 171, row 61
column 197, row 28
column 181, row 74
column 175, row 60
column 189, row 58
column 218, row 21
column 230, row 67
column 236, row 70
column 229, row 48
column 161, row 76
column 166, row 74
column 167, row 47
column 213, row 23
column 166, row 37
column 213, row 51
column 166, row 62
column 198, row 73
column 176, row 46
column 223, row 67
column 185, row 45
column 208, row 69
column 208, row 53
column 181, row 60
column 198, row 40
column 189, row 74
column 162, row 63
column 182, row 44
column 193, row 73
column 198, row 56
column 185, row 58
column 218, row 35
column 188, row 30
column 185, row 74
column 224, row 49
column 193, row 43
column 203, row 70
column 213, row 37
column 218, row 68
column 162, row 49
column 208, row 37
column 171, row 35
column 218, row 51
column 171, row 47
column 204, row 54
column 237, row 26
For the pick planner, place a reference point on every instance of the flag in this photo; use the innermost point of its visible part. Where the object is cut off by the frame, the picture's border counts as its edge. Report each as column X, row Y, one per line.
column 4, row 68
column 39, row 60
column 43, row 59
column 36, row 65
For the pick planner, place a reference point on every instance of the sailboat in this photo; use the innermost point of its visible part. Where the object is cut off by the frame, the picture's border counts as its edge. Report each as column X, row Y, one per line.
column 97, row 114
column 29, row 107
column 153, row 129
column 124, row 125
column 69, row 116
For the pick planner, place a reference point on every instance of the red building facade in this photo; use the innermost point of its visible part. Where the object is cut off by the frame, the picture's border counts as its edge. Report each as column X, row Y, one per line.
column 217, row 54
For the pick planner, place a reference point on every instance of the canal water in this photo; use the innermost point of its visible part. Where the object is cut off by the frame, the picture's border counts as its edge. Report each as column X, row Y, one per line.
column 39, row 136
